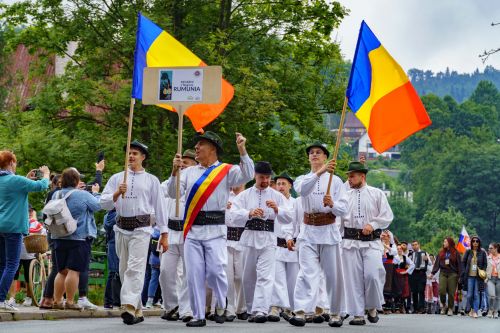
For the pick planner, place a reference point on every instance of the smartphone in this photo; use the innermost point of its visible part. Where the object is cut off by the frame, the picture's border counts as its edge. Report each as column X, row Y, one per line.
column 100, row 156
column 38, row 174
column 88, row 187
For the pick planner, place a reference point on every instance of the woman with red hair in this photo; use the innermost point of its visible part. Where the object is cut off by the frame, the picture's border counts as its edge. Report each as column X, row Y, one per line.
column 449, row 265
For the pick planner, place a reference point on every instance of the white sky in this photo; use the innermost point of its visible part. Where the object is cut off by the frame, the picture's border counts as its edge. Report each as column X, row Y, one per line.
column 427, row 34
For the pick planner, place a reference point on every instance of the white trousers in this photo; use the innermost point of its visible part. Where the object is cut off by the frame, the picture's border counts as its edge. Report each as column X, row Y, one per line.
column 258, row 278
column 133, row 253
column 234, row 270
column 205, row 261
column 285, row 278
column 366, row 275
column 174, row 291
column 322, row 298
column 312, row 259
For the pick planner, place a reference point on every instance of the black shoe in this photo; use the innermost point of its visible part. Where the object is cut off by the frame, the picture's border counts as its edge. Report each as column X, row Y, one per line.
column 296, row 321
column 230, row 318
column 108, row 306
column 373, row 319
column 326, row 316
column 172, row 315
column 139, row 319
column 273, row 319
column 197, row 323
column 251, row 319
column 242, row 316
column 336, row 323
column 129, row 318
column 318, row 319
column 186, row 319
column 211, row 316
column 346, row 316
column 357, row 322
column 286, row 316
column 260, row 319
column 219, row 319
column 309, row 319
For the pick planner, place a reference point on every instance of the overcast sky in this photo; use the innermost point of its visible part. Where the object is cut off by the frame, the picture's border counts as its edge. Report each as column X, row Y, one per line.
column 427, row 34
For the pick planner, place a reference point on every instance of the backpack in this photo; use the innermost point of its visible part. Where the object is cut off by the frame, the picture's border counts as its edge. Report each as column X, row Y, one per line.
column 59, row 220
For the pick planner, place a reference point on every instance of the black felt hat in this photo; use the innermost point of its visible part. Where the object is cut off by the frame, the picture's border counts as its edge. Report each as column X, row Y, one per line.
column 318, row 144
column 264, row 168
column 140, row 146
column 284, row 175
column 212, row 138
column 357, row 167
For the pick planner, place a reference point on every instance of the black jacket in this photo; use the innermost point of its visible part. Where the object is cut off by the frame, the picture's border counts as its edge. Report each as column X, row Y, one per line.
column 482, row 262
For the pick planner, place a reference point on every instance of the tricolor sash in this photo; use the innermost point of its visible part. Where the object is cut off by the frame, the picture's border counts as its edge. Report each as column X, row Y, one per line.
column 201, row 191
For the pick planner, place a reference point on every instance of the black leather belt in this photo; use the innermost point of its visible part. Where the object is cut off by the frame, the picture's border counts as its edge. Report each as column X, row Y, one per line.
column 281, row 242
column 260, row 225
column 130, row 223
column 234, row 234
column 357, row 234
column 176, row 225
column 215, row 217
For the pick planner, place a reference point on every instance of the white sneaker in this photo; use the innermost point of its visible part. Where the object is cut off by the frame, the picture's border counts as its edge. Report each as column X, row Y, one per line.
column 11, row 301
column 7, row 307
column 86, row 304
column 28, row 301
column 149, row 304
column 158, row 305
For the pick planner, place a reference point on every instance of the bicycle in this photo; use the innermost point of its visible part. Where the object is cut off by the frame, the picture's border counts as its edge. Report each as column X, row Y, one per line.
column 38, row 271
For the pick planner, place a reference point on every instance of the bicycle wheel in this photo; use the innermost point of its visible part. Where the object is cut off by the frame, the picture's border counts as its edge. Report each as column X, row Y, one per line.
column 37, row 281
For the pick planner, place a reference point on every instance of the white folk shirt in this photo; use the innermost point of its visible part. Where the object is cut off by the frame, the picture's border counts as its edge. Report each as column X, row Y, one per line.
column 312, row 190
column 287, row 231
column 254, row 198
column 237, row 175
column 174, row 237
column 143, row 197
column 230, row 223
column 367, row 205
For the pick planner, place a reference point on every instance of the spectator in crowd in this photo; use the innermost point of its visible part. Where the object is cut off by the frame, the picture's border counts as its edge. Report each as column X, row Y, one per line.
column 401, row 290
column 474, row 259
column 113, row 283
column 432, row 289
column 154, row 263
column 419, row 276
column 14, row 218
column 449, row 266
column 492, row 271
column 389, row 252
column 72, row 252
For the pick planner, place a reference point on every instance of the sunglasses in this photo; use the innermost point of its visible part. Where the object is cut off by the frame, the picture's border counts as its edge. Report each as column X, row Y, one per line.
column 475, row 241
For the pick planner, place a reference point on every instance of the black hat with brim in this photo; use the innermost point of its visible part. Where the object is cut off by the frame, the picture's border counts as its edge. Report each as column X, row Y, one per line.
column 318, row 144
column 284, row 175
column 357, row 167
column 212, row 138
column 139, row 146
column 263, row 168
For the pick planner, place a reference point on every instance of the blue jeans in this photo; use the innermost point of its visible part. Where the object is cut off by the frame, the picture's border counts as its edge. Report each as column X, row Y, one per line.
column 473, row 293
column 10, row 250
column 153, row 283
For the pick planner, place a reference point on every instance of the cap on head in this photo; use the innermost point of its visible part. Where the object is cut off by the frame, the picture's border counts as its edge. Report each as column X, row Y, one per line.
column 357, row 167
column 284, row 175
column 139, row 146
column 318, row 144
column 212, row 138
column 263, row 168
column 189, row 153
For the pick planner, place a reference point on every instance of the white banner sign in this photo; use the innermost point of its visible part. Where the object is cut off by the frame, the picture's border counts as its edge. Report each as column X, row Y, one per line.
column 180, row 85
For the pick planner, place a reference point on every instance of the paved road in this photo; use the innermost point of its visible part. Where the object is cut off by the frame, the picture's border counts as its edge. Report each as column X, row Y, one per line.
column 387, row 324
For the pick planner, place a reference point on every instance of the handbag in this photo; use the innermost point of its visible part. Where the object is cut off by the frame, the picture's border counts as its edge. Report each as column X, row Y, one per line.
column 481, row 273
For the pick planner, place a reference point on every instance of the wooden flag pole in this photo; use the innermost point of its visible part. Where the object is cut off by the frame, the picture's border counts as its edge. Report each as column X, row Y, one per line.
column 337, row 143
column 180, row 112
column 129, row 138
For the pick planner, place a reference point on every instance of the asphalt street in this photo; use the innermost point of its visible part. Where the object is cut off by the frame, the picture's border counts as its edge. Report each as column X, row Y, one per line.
column 387, row 324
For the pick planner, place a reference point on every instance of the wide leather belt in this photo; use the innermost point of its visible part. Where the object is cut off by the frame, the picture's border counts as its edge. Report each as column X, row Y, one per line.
column 234, row 233
column 176, row 225
column 133, row 222
column 260, row 225
column 357, row 234
column 281, row 242
column 215, row 217
column 319, row 219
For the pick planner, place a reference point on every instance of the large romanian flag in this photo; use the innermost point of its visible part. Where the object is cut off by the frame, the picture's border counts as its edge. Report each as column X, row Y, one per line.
column 156, row 48
column 381, row 95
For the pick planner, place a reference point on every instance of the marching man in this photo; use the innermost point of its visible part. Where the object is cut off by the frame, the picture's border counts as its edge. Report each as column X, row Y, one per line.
column 259, row 209
column 143, row 197
column 206, row 190
column 319, row 238
column 368, row 214
column 175, row 296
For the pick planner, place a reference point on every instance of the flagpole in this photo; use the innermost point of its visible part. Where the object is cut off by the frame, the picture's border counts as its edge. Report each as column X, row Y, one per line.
column 180, row 113
column 337, row 143
column 129, row 138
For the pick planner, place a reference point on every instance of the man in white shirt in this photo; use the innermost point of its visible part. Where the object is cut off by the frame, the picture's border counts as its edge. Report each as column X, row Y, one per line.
column 206, row 190
column 135, row 201
column 287, row 262
column 259, row 209
column 319, row 238
column 368, row 214
column 174, row 286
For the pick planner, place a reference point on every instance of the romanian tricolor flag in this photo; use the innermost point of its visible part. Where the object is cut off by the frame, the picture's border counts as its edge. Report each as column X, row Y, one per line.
column 156, row 48
column 463, row 241
column 381, row 95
